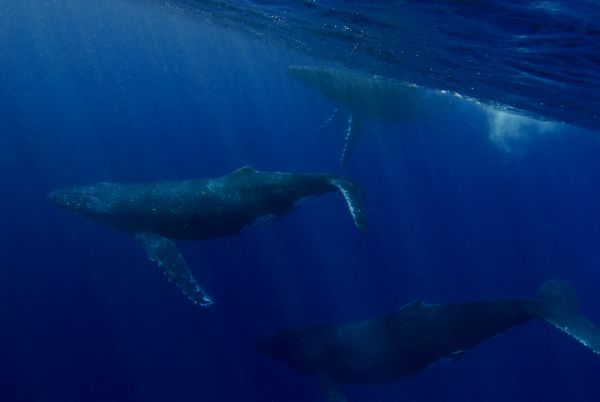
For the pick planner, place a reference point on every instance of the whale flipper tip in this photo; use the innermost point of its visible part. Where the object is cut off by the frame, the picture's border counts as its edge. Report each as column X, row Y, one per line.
column 164, row 253
column 353, row 197
column 560, row 308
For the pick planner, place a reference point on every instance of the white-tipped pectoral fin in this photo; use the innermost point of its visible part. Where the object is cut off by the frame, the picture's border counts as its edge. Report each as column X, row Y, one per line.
column 579, row 328
column 352, row 133
column 164, row 253
column 353, row 197
column 329, row 120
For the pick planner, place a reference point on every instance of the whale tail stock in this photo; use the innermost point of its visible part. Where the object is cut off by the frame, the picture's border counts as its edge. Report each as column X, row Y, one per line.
column 354, row 199
column 560, row 308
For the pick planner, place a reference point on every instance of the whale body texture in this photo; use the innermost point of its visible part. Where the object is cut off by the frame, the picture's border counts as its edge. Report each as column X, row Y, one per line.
column 401, row 344
column 159, row 212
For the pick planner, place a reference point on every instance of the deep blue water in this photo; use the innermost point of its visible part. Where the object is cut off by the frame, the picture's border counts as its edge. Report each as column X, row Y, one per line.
column 461, row 206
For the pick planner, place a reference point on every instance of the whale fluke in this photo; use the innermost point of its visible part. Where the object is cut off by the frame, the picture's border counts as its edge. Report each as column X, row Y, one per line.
column 164, row 253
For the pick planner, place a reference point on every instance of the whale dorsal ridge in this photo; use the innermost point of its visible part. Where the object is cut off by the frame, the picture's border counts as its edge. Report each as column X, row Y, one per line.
column 244, row 170
column 415, row 305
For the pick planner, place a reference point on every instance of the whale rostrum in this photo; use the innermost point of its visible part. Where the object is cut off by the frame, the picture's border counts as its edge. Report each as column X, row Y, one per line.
column 158, row 213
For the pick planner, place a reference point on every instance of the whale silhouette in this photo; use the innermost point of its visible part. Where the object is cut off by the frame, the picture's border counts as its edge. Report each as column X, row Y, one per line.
column 401, row 344
column 158, row 213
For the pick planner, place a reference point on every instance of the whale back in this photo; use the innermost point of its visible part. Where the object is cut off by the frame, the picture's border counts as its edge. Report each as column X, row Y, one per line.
column 206, row 208
column 365, row 96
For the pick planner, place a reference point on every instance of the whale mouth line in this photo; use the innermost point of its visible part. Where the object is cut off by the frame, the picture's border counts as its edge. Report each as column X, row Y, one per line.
column 62, row 198
column 75, row 200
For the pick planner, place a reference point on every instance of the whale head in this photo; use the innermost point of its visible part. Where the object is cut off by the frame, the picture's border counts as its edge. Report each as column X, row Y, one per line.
column 87, row 200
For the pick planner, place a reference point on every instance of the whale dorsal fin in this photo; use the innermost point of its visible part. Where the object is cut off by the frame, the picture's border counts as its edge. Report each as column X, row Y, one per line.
column 415, row 305
column 248, row 169
column 163, row 252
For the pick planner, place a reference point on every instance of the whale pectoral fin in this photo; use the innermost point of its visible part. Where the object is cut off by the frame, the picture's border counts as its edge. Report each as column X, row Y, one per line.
column 164, row 253
column 579, row 328
column 559, row 308
column 332, row 394
column 353, row 197
column 329, row 120
column 352, row 133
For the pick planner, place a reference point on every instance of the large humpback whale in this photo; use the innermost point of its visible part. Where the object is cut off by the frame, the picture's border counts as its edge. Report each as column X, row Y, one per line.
column 401, row 344
column 364, row 97
column 160, row 212
column 370, row 97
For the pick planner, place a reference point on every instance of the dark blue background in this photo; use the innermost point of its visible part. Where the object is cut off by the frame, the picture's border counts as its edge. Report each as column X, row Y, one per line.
column 93, row 91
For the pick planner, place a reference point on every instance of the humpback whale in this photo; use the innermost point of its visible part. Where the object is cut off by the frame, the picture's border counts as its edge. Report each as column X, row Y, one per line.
column 364, row 97
column 160, row 212
column 401, row 344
